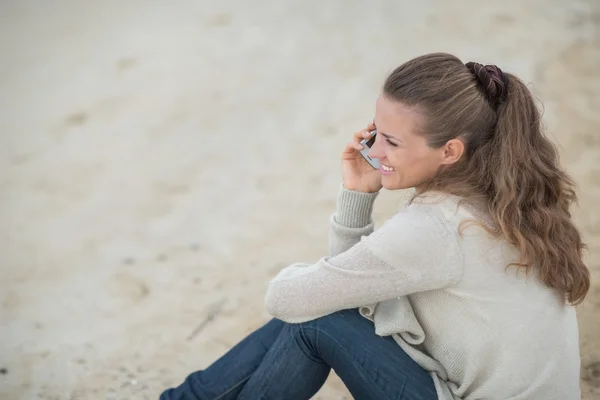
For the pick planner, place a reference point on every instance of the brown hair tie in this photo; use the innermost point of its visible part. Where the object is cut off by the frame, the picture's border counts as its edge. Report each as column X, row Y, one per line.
column 492, row 81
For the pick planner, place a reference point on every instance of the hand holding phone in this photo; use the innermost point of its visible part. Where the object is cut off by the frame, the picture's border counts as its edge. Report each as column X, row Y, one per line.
column 361, row 172
column 367, row 144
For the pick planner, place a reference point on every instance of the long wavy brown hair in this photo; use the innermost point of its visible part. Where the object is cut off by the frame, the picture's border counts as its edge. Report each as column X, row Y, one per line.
column 509, row 164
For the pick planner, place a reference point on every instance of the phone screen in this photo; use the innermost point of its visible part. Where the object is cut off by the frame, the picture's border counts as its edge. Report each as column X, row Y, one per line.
column 367, row 147
column 371, row 141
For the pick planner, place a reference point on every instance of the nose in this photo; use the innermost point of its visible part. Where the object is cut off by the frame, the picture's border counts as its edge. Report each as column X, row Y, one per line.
column 376, row 150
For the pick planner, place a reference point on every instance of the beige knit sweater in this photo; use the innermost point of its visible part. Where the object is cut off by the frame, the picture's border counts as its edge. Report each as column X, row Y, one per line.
column 483, row 331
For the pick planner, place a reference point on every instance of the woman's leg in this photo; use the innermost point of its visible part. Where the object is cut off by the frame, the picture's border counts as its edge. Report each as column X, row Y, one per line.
column 225, row 378
column 371, row 366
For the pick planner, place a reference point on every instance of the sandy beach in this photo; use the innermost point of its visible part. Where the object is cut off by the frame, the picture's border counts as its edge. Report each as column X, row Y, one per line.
column 161, row 161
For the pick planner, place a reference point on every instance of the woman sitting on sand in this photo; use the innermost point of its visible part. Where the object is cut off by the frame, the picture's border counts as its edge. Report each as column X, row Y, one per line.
column 467, row 293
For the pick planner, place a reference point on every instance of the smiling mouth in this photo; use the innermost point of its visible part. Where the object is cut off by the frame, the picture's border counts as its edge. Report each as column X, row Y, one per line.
column 387, row 169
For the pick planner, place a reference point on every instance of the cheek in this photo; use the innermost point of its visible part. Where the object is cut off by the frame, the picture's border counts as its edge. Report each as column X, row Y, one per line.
column 414, row 165
column 405, row 159
column 425, row 166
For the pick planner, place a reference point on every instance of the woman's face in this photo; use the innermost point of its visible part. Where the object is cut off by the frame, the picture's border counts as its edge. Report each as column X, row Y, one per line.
column 406, row 159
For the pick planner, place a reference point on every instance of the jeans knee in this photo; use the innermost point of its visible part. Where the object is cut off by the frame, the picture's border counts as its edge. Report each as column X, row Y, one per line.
column 168, row 395
column 332, row 322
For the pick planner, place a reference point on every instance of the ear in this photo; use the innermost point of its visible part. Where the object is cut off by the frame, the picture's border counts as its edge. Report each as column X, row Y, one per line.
column 453, row 151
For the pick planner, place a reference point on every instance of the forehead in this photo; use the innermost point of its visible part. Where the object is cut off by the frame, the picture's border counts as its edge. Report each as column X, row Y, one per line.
column 395, row 118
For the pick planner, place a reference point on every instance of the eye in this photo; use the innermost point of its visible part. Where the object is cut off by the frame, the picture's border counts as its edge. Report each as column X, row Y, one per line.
column 391, row 143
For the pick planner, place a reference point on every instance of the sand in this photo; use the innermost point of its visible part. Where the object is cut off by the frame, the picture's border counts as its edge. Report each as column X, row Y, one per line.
column 160, row 161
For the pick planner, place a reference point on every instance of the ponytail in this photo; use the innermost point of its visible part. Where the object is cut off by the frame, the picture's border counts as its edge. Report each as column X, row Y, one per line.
column 532, row 196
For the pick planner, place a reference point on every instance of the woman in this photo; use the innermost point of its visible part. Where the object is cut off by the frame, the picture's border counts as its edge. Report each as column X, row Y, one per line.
column 467, row 293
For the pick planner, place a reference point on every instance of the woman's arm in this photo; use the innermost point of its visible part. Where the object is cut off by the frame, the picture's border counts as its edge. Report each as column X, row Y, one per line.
column 417, row 250
column 351, row 221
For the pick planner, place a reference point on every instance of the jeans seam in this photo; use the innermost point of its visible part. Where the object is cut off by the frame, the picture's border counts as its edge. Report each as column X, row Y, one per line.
column 263, row 384
column 232, row 388
column 357, row 363
column 308, row 356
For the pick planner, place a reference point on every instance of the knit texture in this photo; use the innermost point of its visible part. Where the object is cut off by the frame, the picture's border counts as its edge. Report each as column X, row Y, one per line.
column 481, row 330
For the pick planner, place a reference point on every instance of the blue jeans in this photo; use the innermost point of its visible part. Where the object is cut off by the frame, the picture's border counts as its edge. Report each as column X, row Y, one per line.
column 282, row 361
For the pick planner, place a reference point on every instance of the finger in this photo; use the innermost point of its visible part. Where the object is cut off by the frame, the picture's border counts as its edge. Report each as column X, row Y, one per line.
column 357, row 142
column 352, row 147
column 362, row 134
column 349, row 148
column 356, row 145
column 368, row 133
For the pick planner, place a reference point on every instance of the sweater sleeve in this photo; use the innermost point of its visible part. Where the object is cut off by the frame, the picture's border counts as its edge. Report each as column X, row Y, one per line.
column 351, row 221
column 415, row 251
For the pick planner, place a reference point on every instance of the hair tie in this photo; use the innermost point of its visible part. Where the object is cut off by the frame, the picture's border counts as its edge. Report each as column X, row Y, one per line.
column 492, row 82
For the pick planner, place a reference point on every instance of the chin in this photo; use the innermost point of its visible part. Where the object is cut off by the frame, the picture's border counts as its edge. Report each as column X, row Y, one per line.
column 393, row 186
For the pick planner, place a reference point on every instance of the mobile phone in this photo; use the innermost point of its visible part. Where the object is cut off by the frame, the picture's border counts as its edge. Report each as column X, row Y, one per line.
column 367, row 144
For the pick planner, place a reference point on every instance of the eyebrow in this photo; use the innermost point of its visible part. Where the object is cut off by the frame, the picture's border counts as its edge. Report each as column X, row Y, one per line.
column 385, row 135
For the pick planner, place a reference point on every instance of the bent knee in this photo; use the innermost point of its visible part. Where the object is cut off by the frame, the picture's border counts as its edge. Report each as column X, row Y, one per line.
column 337, row 319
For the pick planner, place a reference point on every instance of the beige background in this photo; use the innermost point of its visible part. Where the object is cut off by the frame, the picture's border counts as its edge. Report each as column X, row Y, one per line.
column 160, row 161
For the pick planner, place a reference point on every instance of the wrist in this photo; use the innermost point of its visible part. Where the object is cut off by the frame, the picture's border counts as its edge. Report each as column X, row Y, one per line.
column 354, row 207
column 359, row 189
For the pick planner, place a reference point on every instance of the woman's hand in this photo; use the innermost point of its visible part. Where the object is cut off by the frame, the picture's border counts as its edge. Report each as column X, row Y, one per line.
column 357, row 173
